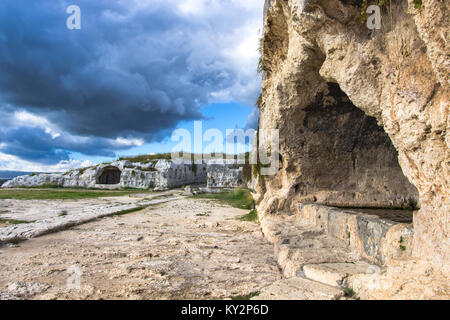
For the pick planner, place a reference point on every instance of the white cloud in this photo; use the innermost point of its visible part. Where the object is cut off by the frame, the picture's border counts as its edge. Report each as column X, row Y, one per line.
column 197, row 7
column 130, row 142
column 24, row 118
column 13, row 163
column 230, row 42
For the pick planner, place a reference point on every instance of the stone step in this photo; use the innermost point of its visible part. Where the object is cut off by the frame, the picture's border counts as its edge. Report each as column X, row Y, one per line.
column 297, row 242
column 378, row 240
column 336, row 274
column 316, row 265
column 308, row 248
column 299, row 289
column 278, row 227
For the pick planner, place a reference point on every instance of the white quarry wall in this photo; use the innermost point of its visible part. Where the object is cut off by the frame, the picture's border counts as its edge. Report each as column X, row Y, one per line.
column 224, row 176
column 160, row 175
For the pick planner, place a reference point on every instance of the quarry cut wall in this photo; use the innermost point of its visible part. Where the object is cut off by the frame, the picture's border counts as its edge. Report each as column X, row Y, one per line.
column 363, row 114
column 159, row 175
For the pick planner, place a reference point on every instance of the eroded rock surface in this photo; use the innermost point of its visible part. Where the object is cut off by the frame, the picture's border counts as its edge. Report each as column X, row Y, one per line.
column 363, row 114
column 324, row 256
column 158, row 175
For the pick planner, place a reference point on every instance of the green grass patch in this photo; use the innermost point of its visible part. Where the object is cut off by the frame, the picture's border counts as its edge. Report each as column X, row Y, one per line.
column 61, row 193
column 417, row 4
column 247, row 297
column 83, row 170
column 349, row 292
column 123, row 212
column 63, row 213
column 15, row 241
column 13, row 221
column 49, row 186
column 148, row 157
column 252, row 216
column 239, row 198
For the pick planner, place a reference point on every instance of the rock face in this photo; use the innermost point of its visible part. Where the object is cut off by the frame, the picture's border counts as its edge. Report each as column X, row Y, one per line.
column 363, row 114
column 224, row 176
column 160, row 175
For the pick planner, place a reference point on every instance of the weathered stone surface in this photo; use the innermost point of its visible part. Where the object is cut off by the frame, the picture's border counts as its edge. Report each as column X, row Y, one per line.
column 46, row 216
column 224, row 176
column 187, row 191
column 336, row 274
column 20, row 290
column 408, row 279
column 298, row 243
column 180, row 249
column 363, row 114
column 299, row 289
column 313, row 246
column 159, row 175
column 377, row 240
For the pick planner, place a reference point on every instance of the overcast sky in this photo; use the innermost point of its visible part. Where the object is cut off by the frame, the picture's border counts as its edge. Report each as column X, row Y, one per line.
column 135, row 70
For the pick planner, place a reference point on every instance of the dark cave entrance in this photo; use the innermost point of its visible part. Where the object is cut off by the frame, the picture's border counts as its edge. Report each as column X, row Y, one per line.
column 109, row 175
column 347, row 159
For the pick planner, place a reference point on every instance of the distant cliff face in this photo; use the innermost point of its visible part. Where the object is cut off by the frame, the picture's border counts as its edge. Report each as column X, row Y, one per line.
column 158, row 175
column 363, row 114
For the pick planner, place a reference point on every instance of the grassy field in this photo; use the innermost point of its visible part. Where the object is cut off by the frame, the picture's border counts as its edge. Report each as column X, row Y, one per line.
column 61, row 193
column 239, row 198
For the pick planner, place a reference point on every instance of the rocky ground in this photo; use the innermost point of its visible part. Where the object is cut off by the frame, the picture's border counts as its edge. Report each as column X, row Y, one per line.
column 182, row 248
column 33, row 218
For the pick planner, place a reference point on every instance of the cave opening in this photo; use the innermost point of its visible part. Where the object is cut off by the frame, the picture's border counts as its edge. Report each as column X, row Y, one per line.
column 348, row 160
column 109, row 175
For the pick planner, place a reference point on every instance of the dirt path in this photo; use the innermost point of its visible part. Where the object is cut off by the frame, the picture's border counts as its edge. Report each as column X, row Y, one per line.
column 186, row 248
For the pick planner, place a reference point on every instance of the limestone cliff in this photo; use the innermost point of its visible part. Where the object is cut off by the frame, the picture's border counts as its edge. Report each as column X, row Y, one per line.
column 363, row 114
column 158, row 175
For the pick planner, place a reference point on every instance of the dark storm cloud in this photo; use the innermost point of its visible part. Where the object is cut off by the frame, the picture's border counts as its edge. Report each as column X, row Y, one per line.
column 31, row 144
column 93, row 81
column 131, row 71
